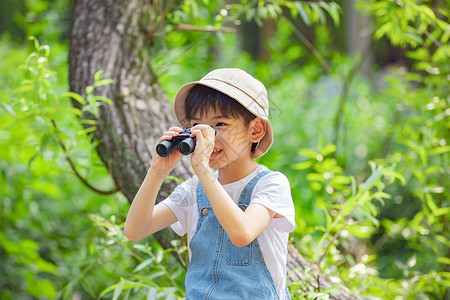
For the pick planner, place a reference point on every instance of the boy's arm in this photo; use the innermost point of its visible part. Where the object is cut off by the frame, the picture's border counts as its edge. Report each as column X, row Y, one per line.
column 242, row 227
column 144, row 218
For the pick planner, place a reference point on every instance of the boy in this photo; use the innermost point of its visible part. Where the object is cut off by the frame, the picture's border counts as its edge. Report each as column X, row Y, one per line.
column 237, row 219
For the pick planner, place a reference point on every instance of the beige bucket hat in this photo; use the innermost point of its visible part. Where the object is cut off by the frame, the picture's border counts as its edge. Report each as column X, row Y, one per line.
column 240, row 86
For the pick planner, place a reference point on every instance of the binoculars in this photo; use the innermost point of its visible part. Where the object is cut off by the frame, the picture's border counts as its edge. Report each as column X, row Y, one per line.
column 184, row 142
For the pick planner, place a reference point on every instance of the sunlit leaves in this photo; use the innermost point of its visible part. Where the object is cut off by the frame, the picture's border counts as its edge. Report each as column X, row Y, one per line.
column 155, row 275
column 403, row 22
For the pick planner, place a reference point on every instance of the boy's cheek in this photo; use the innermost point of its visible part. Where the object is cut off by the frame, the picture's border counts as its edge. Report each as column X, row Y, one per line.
column 220, row 132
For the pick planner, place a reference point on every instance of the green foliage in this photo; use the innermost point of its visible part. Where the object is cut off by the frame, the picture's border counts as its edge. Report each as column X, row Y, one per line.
column 157, row 276
column 47, row 243
column 372, row 205
column 47, row 20
column 302, row 289
column 408, row 23
column 37, row 100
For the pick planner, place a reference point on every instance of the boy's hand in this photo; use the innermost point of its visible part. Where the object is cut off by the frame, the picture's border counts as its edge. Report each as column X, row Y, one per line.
column 163, row 165
column 205, row 135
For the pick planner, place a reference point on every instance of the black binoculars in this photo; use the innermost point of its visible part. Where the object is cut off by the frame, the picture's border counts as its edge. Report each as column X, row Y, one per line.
column 184, row 142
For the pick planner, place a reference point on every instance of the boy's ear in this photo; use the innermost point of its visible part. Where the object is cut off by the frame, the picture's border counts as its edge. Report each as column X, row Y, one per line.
column 257, row 128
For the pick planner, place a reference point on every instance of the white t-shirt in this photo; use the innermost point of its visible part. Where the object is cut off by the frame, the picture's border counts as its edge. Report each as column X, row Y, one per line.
column 272, row 191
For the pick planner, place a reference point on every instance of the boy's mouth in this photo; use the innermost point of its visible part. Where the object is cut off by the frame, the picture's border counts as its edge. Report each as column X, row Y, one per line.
column 216, row 152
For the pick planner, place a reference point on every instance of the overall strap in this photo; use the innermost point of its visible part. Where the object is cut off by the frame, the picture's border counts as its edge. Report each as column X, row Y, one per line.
column 202, row 200
column 244, row 199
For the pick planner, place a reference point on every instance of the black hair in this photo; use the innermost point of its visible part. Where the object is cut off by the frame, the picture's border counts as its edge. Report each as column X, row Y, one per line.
column 201, row 99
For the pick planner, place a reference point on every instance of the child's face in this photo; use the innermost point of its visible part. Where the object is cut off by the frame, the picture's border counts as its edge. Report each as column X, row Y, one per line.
column 232, row 143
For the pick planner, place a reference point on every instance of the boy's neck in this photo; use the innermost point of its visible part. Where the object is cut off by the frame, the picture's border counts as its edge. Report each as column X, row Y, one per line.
column 236, row 172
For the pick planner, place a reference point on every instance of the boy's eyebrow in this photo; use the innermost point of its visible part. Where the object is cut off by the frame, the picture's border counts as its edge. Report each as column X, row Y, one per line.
column 215, row 117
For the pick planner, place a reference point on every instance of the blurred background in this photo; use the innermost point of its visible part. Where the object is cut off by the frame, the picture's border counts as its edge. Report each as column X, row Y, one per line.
column 359, row 95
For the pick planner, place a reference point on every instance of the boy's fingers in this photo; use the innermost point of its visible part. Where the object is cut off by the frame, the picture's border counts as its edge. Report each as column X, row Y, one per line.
column 197, row 133
column 206, row 130
column 178, row 129
column 165, row 137
column 173, row 131
column 168, row 135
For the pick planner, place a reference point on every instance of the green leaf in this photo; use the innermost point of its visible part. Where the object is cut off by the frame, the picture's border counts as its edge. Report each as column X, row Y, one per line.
column 419, row 175
column 143, row 248
column 442, row 211
column 22, row 89
column 414, row 38
column 441, row 54
column 353, row 186
column 341, row 180
column 444, row 260
column 99, row 75
column 175, row 178
column 303, row 13
column 151, row 295
column 36, row 155
column 332, row 289
column 89, row 89
column 315, row 177
column 87, row 287
column 360, row 231
column 35, row 42
column 309, row 153
column 118, row 289
column 104, row 99
column 430, row 202
column 419, row 54
column 318, row 11
column 89, row 122
column 394, row 175
column 439, row 150
column 143, row 264
column 328, row 149
column 442, row 239
column 103, row 82
column 45, row 266
column 423, row 65
column 75, row 96
column 146, row 280
column 8, row 108
column 371, row 218
column 428, row 12
column 250, row 14
column 155, row 275
column 382, row 30
column 43, row 287
column 348, row 206
column 86, row 131
column 333, row 10
column 303, row 165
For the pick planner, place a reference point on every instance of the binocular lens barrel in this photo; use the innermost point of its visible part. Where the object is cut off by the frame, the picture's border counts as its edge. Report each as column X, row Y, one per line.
column 165, row 148
column 187, row 146
column 183, row 142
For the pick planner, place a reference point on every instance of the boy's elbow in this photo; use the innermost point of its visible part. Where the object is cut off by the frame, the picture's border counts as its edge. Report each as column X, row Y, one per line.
column 241, row 239
column 131, row 234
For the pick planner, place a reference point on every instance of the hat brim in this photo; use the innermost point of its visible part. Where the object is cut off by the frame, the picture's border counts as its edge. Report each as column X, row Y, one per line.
column 235, row 93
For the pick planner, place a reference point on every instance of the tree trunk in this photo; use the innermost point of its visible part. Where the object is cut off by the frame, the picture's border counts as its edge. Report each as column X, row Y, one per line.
column 112, row 36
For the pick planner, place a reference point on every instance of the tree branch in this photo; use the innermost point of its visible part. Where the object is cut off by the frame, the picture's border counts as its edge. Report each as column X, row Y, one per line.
column 336, row 235
column 74, row 169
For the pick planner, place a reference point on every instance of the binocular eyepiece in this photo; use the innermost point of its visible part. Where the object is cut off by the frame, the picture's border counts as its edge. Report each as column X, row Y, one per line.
column 184, row 142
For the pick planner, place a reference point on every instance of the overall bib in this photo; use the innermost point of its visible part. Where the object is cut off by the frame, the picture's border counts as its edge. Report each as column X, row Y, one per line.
column 218, row 269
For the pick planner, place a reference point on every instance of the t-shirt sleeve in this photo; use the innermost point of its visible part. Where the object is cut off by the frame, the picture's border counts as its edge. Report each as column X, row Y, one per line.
column 179, row 202
column 274, row 192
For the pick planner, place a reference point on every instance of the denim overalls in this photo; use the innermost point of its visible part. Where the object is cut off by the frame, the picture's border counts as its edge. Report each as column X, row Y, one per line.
column 218, row 269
